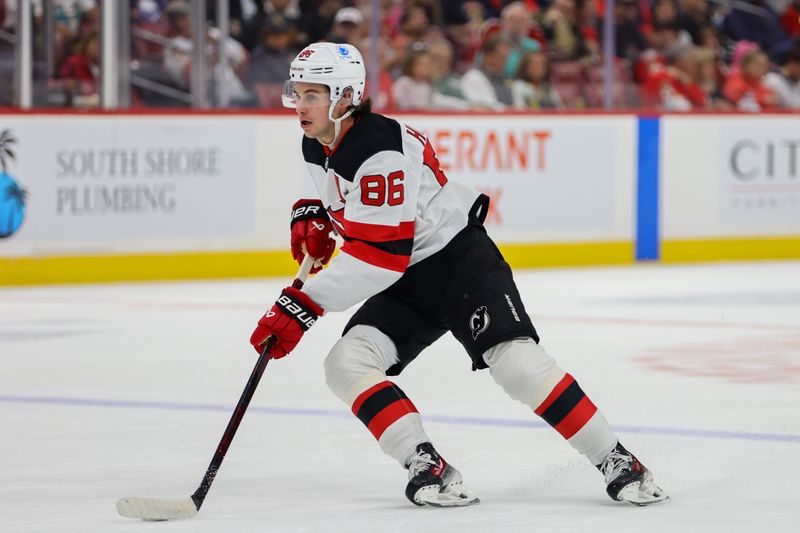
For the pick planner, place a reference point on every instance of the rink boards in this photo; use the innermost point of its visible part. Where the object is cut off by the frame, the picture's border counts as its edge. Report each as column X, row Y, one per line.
column 138, row 196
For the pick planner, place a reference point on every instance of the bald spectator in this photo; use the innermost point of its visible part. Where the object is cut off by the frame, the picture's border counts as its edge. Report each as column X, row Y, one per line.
column 516, row 24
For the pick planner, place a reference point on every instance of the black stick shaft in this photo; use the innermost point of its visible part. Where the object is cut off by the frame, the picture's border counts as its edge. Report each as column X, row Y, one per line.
column 238, row 413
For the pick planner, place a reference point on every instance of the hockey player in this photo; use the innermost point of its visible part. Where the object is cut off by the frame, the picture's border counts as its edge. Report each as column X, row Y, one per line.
column 416, row 250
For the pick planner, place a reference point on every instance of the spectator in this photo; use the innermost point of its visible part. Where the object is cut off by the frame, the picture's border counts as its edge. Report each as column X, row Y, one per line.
column 760, row 25
column 532, row 88
column 70, row 13
column 673, row 87
column 708, row 80
column 415, row 90
column 263, row 10
column 516, row 24
column 785, row 83
column 348, row 26
column 270, row 60
column 565, row 39
column 378, row 55
column 416, row 28
column 317, row 17
column 665, row 11
column 629, row 40
column 790, row 19
column 178, row 55
column 447, row 82
column 692, row 17
column 709, row 40
column 80, row 71
column 485, row 85
column 147, row 11
column 663, row 37
column 463, row 32
column 745, row 88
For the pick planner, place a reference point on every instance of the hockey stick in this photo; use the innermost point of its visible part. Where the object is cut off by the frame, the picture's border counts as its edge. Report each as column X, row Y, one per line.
column 156, row 510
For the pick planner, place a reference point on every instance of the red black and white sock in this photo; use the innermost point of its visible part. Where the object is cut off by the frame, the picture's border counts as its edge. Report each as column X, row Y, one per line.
column 570, row 412
column 529, row 375
column 391, row 418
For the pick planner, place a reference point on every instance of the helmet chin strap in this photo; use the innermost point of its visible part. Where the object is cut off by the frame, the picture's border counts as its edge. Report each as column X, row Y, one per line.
column 337, row 124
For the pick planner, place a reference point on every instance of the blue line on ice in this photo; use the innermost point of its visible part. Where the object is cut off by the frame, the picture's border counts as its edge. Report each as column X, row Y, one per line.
column 459, row 420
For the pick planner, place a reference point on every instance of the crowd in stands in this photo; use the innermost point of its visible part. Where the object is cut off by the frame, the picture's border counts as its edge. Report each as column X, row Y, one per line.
column 677, row 55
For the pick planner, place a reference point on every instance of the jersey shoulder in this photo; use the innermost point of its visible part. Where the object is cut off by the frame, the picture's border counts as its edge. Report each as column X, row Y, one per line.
column 371, row 134
column 313, row 152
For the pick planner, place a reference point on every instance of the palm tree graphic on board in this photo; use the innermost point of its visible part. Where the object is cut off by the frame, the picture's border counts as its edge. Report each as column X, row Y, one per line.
column 12, row 196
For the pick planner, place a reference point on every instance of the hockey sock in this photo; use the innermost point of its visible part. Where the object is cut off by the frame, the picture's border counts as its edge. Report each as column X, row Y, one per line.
column 570, row 412
column 392, row 419
column 529, row 375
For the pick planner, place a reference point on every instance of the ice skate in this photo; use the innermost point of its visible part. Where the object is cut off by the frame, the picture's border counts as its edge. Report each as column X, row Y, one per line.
column 431, row 481
column 628, row 480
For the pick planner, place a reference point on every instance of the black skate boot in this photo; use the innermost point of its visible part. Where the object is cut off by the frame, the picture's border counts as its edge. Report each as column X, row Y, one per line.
column 627, row 479
column 431, row 481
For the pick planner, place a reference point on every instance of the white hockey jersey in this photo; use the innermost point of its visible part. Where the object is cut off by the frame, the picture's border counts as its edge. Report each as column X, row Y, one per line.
column 389, row 200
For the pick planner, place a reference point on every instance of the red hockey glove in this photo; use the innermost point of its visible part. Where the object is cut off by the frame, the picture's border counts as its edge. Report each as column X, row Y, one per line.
column 288, row 319
column 312, row 227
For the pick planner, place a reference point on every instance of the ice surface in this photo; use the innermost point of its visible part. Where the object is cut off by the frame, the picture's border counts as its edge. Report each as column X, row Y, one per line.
column 124, row 390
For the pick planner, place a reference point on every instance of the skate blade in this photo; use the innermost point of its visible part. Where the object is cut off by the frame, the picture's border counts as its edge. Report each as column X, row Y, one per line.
column 451, row 497
column 642, row 494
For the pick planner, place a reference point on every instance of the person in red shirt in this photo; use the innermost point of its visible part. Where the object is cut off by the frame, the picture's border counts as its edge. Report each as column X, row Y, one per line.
column 746, row 89
column 790, row 19
column 79, row 71
column 673, row 87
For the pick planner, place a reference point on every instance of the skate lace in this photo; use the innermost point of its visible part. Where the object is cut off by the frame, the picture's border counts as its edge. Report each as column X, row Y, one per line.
column 420, row 463
column 615, row 464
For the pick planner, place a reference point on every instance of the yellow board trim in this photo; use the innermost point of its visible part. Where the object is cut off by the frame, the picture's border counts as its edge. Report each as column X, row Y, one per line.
column 144, row 267
column 675, row 251
column 213, row 265
column 568, row 254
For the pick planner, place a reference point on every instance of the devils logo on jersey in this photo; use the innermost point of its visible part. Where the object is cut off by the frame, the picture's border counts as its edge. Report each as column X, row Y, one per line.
column 479, row 321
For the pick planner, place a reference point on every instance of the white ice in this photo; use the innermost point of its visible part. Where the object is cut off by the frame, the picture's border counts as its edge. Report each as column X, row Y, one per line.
column 124, row 390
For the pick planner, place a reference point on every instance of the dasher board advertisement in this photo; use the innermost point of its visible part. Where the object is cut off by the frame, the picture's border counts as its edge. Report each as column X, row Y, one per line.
column 97, row 184
column 731, row 176
column 551, row 179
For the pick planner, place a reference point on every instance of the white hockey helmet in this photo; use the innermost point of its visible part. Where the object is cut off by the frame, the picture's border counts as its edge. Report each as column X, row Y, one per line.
column 338, row 66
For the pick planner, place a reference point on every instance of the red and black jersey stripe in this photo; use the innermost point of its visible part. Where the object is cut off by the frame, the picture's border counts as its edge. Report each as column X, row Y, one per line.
column 384, row 246
column 382, row 405
column 566, row 408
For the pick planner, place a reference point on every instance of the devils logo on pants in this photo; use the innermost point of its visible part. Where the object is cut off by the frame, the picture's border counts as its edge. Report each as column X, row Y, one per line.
column 479, row 321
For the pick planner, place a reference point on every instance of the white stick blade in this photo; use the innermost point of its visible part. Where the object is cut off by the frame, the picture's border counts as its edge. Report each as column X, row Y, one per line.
column 156, row 510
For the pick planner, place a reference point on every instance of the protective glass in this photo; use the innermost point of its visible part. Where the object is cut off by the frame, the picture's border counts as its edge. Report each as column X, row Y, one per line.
column 307, row 95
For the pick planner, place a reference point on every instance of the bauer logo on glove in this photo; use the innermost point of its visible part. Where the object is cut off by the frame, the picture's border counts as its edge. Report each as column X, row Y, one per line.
column 305, row 317
column 287, row 320
column 311, row 232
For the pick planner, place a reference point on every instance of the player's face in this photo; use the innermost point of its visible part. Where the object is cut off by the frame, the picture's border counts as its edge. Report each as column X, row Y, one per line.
column 312, row 104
